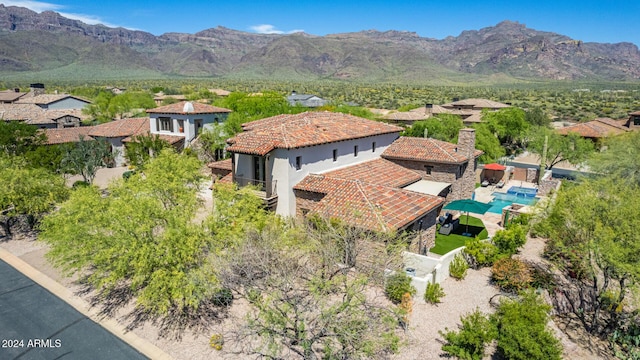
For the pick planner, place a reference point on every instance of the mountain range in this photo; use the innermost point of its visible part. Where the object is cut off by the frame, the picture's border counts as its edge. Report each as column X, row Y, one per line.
column 49, row 45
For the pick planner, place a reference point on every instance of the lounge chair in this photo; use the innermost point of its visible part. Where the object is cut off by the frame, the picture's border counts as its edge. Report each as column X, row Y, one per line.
column 500, row 184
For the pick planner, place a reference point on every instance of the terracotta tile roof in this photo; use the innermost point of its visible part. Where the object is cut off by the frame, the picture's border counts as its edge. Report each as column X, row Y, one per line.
column 10, row 95
column 20, row 112
column 635, row 113
column 305, row 129
column 222, row 165
column 178, row 108
column 412, row 115
column 121, row 128
column 477, row 104
column 220, row 92
column 375, row 207
column 426, row 149
column 378, row 171
column 46, row 99
column 67, row 135
column 227, row 179
column 597, row 128
column 50, row 116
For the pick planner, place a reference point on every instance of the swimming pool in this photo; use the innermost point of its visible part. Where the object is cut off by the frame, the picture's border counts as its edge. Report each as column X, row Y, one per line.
column 522, row 191
column 500, row 200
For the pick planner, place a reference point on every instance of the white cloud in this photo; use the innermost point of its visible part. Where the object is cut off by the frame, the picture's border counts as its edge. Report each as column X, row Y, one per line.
column 39, row 6
column 270, row 29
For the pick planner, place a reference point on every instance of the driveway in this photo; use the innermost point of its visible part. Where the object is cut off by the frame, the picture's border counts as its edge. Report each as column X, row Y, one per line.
column 35, row 324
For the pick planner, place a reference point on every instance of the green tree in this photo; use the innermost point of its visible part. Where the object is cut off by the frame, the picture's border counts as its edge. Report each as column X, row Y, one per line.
column 99, row 108
column 571, row 148
column 17, row 138
column 47, row 156
column 26, row 192
column 140, row 240
column 593, row 239
column 142, row 148
column 488, row 143
column 537, row 117
column 212, row 142
column 620, row 159
column 443, row 127
column 522, row 329
column 509, row 125
column 474, row 334
column 86, row 157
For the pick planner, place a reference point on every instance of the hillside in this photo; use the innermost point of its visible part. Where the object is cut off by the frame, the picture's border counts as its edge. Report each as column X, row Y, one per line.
column 48, row 46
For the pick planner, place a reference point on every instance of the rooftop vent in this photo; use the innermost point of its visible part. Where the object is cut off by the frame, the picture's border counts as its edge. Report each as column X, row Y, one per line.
column 188, row 107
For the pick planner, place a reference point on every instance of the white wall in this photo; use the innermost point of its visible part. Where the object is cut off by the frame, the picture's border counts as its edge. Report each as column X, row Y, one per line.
column 68, row 103
column 208, row 122
column 428, row 269
column 318, row 159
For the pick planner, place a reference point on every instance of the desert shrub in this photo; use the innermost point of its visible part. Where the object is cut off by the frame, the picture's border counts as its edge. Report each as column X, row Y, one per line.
column 511, row 274
column 469, row 342
column 406, row 308
column 626, row 342
column 522, row 330
column 79, row 184
column 433, row 293
column 542, row 278
column 222, row 297
column 480, row 253
column 216, row 341
column 458, row 267
column 397, row 285
column 509, row 240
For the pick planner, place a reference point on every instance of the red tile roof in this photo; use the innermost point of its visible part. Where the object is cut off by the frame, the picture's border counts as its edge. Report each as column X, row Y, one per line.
column 10, row 95
column 378, row 171
column 374, row 207
column 222, row 165
column 305, row 129
column 45, row 99
column 598, row 128
column 178, row 108
column 477, row 104
column 67, row 135
column 426, row 149
column 121, row 128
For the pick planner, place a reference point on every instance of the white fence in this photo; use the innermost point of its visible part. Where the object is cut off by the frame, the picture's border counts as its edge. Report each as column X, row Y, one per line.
column 425, row 269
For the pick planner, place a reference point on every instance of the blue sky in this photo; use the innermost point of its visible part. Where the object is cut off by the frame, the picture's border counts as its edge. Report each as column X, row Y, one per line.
column 587, row 20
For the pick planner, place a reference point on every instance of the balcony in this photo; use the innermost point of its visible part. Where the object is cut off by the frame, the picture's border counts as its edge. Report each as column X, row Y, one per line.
column 266, row 190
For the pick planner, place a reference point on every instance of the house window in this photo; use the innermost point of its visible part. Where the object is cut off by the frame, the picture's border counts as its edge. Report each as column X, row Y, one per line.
column 181, row 126
column 164, row 124
column 298, row 162
column 636, row 120
column 355, row 150
column 335, row 155
column 373, row 146
column 428, row 169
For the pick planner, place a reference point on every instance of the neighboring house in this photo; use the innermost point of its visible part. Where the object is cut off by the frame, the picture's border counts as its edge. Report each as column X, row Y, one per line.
column 278, row 152
column 56, row 101
column 338, row 165
column 305, row 100
column 33, row 114
column 633, row 122
column 67, row 135
column 185, row 119
column 220, row 92
column 469, row 110
column 10, row 96
column 595, row 129
column 439, row 163
column 160, row 97
column 114, row 132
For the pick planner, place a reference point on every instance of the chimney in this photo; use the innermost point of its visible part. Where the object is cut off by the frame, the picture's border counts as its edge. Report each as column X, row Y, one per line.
column 16, row 90
column 36, row 89
column 467, row 142
column 428, row 109
column 456, row 99
column 293, row 92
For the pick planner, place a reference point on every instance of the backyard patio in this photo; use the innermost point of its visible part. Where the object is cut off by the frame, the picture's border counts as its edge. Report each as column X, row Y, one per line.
column 446, row 243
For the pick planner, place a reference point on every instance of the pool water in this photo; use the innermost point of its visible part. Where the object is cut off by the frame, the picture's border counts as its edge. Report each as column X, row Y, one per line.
column 522, row 191
column 501, row 200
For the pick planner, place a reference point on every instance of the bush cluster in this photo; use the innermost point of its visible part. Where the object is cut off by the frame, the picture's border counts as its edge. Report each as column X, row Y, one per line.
column 397, row 285
column 433, row 293
column 458, row 267
column 511, row 275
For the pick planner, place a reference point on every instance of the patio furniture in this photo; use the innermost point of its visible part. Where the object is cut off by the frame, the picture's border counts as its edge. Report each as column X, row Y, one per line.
column 485, row 183
column 500, row 184
column 446, row 229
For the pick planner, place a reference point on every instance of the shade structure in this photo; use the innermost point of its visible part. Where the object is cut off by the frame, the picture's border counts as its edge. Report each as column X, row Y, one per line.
column 494, row 166
column 468, row 205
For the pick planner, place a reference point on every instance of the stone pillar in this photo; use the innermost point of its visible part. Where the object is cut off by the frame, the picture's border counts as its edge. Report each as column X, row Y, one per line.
column 532, row 175
column 465, row 183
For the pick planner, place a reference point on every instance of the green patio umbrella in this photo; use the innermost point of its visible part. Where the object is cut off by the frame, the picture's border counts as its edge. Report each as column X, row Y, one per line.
column 468, row 205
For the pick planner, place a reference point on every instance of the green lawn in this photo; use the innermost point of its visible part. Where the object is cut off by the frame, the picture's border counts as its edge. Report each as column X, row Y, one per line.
column 446, row 243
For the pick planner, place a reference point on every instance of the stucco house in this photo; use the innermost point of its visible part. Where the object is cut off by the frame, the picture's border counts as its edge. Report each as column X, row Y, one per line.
column 469, row 110
column 185, row 119
column 306, row 100
column 596, row 129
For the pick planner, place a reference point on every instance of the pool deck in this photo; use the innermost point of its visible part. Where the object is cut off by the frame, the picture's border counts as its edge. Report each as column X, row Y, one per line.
column 484, row 194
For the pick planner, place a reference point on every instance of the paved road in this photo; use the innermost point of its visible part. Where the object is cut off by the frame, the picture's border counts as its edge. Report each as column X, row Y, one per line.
column 35, row 324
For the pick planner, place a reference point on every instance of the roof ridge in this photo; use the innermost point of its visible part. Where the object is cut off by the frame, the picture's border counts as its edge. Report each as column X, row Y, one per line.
column 371, row 205
column 443, row 150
